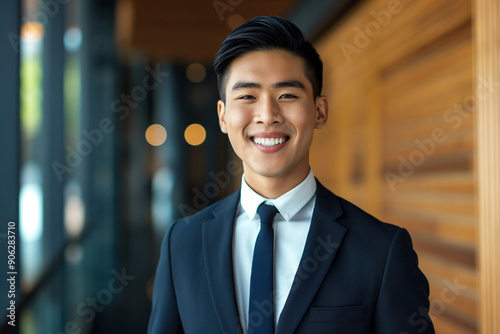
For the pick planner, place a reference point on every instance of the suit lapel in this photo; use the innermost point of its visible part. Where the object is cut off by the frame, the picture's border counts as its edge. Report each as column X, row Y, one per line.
column 217, row 250
column 323, row 240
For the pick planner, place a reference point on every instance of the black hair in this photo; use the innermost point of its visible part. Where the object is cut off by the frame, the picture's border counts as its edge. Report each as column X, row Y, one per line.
column 268, row 33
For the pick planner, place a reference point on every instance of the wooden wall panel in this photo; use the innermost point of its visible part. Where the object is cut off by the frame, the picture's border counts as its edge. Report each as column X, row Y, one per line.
column 487, row 56
column 400, row 141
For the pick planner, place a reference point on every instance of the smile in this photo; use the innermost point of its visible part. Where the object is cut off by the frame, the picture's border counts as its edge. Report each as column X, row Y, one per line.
column 269, row 141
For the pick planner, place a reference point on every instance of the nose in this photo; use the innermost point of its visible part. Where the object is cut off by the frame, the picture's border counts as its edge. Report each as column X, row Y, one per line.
column 269, row 112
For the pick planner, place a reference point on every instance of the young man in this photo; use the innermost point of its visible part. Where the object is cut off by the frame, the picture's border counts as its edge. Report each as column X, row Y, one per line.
column 283, row 254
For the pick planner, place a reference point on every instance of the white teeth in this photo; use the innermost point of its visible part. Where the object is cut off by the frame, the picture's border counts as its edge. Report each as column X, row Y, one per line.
column 269, row 141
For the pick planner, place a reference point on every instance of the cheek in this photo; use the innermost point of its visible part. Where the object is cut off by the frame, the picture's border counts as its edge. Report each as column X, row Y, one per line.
column 238, row 119
column 303, row 119
column 237, row 122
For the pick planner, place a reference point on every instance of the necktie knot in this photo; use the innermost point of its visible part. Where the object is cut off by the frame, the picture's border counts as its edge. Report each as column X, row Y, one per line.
column 267, row 213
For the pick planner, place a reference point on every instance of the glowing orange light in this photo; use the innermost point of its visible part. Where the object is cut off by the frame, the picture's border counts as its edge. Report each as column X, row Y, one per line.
column 195, row 134
column 156, row 134
column 32, row 31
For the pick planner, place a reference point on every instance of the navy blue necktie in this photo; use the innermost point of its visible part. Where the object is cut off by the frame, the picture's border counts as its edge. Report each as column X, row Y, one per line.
column 261, row 308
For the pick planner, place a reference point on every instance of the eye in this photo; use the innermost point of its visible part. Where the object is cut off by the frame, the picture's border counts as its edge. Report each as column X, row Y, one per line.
column 246, row 97
column 288, row 96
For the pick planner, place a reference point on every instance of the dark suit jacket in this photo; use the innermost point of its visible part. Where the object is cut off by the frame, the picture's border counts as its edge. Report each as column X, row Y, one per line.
column 357, row 275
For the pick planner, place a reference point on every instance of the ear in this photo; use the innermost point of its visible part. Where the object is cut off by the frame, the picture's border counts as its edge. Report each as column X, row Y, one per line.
column 221, row 110
column 321, row 111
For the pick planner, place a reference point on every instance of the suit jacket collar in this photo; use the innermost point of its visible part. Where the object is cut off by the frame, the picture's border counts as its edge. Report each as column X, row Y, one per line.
column 324, row 238
column 218, row 250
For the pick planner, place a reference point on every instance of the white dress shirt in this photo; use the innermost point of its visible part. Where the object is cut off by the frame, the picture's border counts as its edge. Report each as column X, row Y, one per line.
column 291, row 227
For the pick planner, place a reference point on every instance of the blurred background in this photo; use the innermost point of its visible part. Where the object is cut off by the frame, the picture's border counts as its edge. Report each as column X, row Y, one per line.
column 109, row 132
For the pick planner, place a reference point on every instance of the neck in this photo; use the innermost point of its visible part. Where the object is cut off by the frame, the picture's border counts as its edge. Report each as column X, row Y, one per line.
column 274, row 187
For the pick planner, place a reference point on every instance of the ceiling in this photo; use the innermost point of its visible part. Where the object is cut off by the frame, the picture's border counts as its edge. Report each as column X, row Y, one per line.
column 185, row 30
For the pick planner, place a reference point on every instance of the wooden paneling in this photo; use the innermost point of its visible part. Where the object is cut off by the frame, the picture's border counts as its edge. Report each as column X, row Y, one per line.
column 487, row 45
column 400, row 141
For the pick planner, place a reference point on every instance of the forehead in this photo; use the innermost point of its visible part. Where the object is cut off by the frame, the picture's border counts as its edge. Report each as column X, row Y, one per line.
column 268, row 66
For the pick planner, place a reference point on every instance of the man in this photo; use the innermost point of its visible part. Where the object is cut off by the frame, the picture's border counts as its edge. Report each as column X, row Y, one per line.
column 283, row 254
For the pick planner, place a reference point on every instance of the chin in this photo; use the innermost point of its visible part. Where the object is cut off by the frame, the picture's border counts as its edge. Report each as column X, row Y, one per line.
column 271, row 172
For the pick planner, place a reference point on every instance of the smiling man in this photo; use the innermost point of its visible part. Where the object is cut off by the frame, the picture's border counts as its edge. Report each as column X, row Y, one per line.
column 270, row 113
column 283, row 254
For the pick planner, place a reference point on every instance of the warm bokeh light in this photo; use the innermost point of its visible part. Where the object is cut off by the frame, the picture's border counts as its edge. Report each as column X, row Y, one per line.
column 156, row 134
column 196, row 72
column 195, row 134
column 32, row 31
column 235, row 20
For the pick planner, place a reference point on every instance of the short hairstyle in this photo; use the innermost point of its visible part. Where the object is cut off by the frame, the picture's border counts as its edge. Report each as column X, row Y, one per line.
column 267, row 33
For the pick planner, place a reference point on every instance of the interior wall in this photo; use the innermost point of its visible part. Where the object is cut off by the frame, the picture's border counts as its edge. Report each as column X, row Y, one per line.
column 487, row 68
column 400, row 138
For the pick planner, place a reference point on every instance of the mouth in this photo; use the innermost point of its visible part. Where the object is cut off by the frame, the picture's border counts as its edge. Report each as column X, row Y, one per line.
column 269, row 142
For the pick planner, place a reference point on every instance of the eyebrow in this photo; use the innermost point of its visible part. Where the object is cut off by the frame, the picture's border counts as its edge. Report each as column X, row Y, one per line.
column 245, row 84
column 289, row 83
column 281, row 84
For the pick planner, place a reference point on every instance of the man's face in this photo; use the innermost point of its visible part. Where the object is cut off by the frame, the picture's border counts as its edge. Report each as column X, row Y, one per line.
column 270, row 114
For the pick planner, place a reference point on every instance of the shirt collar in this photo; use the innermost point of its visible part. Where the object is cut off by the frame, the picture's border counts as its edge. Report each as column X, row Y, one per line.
column 288, row 204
